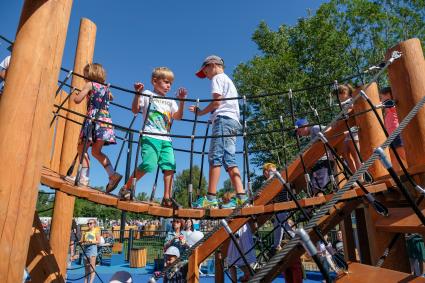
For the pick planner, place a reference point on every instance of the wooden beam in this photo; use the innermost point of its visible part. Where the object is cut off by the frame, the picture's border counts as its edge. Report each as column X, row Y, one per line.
column 24, row 122
column 41, row 262
column 371, row 135
column 407, row 77
column 64, row 204
column 371, row 274
column 400, row 220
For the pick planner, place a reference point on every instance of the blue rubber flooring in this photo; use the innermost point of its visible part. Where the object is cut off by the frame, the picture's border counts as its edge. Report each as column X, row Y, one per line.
column 144, row 274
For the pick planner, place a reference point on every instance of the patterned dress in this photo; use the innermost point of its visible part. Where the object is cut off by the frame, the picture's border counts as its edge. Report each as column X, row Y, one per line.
column 98, row 108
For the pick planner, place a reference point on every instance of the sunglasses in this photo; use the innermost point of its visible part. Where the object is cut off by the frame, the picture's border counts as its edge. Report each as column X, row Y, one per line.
column 90, row 223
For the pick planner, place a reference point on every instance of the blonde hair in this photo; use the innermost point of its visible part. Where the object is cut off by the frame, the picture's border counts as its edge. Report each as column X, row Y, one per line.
column 345, row 88
column 95, row 72
column 267, row 166
column 162, row 73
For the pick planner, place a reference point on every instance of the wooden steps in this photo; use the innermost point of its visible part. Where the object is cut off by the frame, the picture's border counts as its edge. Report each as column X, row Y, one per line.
column 361, row 273
column 400, row 220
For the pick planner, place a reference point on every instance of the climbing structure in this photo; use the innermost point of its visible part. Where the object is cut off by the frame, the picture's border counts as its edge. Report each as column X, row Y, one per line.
column 387, row 206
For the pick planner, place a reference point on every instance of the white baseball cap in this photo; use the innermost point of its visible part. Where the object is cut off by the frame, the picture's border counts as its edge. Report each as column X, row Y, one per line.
column 172, row 251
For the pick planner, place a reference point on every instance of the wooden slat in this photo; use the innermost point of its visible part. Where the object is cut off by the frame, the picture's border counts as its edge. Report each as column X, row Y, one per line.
column 400, row 220
column 252, row 210
column 81, row 192
column 160, row 211
column 220, row 213
column 133, row 206
column 366, row 273
column 103, row 199
column 51, row 179
column 190, row 213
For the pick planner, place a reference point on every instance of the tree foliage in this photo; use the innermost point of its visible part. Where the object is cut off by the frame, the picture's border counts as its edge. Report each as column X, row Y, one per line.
column 341, row 39
column 182, row 182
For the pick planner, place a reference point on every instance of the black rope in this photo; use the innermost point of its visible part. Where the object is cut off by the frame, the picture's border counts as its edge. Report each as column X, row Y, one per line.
column 192, row 143
column 202, row 161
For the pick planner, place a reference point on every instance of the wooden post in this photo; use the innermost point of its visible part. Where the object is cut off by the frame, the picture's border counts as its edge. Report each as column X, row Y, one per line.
column 64, row 204
column 371, row 134
column 346, row 227
column 24, row 121
column 56, row 135
column 41, row 263
column 193, row 268
column 407, row 77
column 219, row 272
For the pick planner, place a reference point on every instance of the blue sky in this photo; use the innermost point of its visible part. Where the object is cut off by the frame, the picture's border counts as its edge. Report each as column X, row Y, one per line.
column 133, row 37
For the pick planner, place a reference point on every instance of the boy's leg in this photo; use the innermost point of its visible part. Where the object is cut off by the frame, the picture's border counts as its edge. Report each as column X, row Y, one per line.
column 167, row 163
column 215, row 157
column 149, row 154
column 168, row 183
column 231, row 127
column 213, row 179
column 235, row 178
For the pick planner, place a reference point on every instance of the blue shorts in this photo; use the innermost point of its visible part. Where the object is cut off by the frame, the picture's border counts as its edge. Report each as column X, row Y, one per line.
column 222, row 149
column 91, row 250
column 397, row 142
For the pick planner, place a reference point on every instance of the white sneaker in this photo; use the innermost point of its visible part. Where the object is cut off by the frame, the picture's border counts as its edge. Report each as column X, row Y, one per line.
column 84, row 181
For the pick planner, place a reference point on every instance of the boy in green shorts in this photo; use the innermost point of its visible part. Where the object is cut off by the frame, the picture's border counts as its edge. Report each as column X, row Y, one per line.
column 156, row 149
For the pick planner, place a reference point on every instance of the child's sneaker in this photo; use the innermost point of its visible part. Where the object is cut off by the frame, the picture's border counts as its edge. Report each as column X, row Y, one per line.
column 124, row 193
column 241, row 200
column 204, row 202
column 113, row 182
column 230, row 204
column 84, row 181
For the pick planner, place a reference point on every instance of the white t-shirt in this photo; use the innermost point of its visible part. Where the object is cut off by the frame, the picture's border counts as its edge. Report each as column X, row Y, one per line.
column 4, row 65
column 160, row 114
column 224, row 86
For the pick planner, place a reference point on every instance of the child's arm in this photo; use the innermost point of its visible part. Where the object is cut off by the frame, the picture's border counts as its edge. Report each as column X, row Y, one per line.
column 135, row 105
column 83, row 93
column 181, row 94
column 210, row 107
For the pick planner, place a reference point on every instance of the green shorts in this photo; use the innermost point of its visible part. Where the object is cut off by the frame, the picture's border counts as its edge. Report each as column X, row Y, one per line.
column 157, row 152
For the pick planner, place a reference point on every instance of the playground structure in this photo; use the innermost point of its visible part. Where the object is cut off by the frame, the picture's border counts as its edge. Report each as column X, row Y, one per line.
column 28, row 103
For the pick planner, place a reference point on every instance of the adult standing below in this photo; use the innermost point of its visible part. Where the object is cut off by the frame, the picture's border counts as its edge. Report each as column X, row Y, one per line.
column 90, row 240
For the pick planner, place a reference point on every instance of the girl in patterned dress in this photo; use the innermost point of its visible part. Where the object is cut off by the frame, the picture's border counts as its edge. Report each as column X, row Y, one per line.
column 98, row 132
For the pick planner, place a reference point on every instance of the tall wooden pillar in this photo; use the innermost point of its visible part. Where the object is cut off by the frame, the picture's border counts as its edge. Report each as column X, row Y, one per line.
column 371, row 134
column 64, row 204
column 41, row 262
column 193, row 267
column 407, row 77
column 24, row 121
column 53, row 156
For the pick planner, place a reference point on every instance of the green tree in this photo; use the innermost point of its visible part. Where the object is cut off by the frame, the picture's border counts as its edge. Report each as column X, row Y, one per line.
column 181, row 185
column 342, row 38
column 44, row 203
